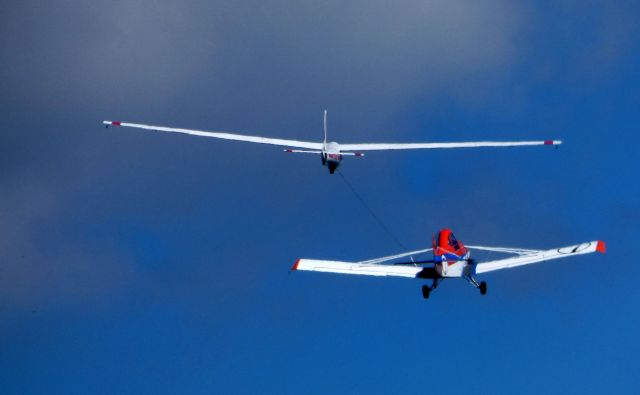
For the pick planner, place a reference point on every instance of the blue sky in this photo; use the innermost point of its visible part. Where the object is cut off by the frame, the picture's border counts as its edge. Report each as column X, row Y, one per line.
column 138, row 262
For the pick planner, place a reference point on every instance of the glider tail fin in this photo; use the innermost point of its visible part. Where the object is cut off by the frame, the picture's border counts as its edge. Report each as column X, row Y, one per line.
column 325, row 129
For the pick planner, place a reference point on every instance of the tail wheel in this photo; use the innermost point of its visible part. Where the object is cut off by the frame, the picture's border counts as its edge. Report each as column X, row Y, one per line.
column 425, row 291
column 483, row 288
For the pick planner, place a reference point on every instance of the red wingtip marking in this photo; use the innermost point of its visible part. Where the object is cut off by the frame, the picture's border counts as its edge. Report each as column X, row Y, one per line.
column 601, row 247
column 116, row 123
column 295, row 265
column 288, row 150
column 548, row 142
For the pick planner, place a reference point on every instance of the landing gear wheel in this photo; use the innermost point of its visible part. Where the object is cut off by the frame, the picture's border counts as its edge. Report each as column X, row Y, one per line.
column 483, row 288
column 332, row 166
column 425, row 291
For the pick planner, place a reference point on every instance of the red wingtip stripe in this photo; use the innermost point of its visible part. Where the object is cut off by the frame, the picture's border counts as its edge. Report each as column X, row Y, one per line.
column 601, row 247
column 295, row 265
column 116, row 123
column 288, row 150
column 548, row 142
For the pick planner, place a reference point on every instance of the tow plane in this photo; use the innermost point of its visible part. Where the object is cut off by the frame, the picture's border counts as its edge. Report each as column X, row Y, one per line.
column 450, row 259
column 330, row 152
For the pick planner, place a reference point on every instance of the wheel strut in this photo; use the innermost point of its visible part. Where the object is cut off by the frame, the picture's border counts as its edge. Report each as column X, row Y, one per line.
column 481, row 286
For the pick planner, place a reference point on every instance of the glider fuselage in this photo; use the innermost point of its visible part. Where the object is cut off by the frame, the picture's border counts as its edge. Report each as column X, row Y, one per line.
column 331, row 156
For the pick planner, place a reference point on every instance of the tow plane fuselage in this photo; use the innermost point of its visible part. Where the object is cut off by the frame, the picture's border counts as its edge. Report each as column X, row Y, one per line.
column 450, row 256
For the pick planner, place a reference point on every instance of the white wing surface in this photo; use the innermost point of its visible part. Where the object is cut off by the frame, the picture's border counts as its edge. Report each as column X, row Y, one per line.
column 476, row 144
column 394, row 257
column 530, row 257
column 366, row 269
column 222, row 135
column 520, row 251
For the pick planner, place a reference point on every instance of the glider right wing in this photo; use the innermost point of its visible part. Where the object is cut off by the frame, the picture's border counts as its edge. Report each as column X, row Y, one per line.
column 472, row 144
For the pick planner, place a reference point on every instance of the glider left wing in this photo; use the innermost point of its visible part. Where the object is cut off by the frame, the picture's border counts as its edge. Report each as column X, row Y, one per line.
column 222, row 135
column 527, row 257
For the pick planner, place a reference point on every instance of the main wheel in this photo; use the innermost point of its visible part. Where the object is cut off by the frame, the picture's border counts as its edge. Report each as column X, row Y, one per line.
column 425, row 291
column 483, row 288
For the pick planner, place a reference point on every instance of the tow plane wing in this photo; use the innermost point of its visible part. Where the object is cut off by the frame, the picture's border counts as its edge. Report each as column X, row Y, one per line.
column 371, row 267
column 366, row 269
column 462, row 267
column 528, row 257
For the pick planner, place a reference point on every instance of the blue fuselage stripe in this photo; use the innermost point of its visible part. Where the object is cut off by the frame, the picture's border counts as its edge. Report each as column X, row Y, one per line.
column 447, row 257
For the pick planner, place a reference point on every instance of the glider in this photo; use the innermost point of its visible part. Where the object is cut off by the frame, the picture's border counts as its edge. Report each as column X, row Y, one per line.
column 331, row 152
column 451, row 259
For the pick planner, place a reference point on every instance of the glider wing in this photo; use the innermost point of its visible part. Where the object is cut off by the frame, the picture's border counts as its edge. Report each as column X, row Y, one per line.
column 476, row 144
column 222, row 135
